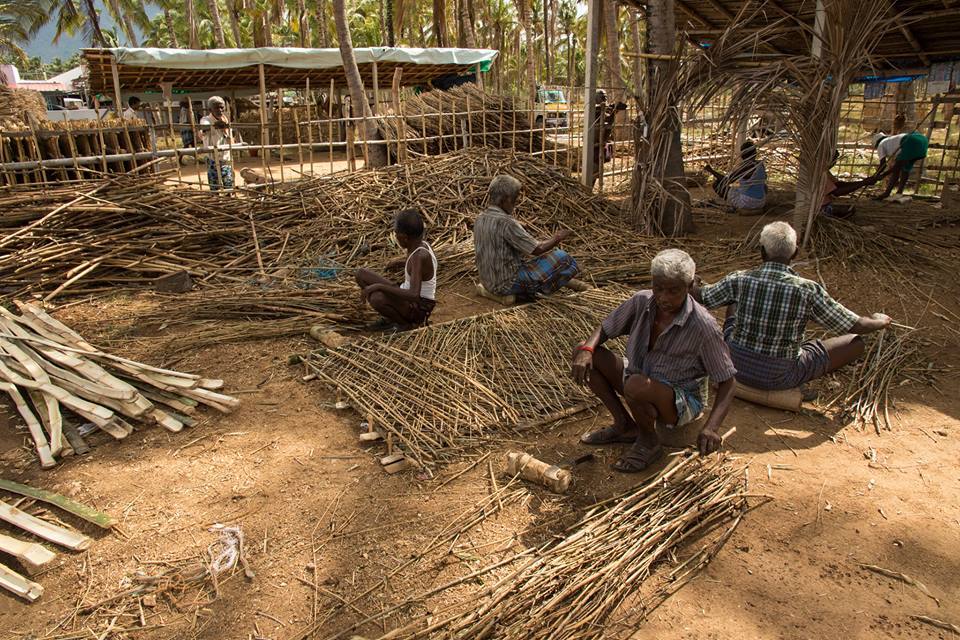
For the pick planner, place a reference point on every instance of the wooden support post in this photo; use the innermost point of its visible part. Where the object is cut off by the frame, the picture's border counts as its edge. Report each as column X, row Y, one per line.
column 310, row 125
column 103, row 144
column 174, row 135
column 398, row 114
column 376, row 89
column 263, row 122
column 296, row 128
column 819, row 23
column 588, row 164
column 280, row 129
column 330, row 122
column 933, row 121
column 117, row 100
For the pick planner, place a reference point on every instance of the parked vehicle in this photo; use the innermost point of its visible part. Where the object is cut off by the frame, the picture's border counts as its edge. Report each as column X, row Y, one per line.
column 551, row 108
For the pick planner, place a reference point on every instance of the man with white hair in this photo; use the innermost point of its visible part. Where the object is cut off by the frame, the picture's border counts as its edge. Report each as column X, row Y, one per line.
column 216, row 133
column 510, row 261
column 767, row 311
column 673, row 346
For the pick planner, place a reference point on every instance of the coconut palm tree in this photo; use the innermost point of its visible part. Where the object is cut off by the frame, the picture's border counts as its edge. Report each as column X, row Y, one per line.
column 71, row 17
column 214, row 8
column 19, row 19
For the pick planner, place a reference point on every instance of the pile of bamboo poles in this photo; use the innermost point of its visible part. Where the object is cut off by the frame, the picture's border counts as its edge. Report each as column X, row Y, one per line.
column 128, row 230
column 569, row 587
column 437, row 122
column 443, row 389
column 45, row 366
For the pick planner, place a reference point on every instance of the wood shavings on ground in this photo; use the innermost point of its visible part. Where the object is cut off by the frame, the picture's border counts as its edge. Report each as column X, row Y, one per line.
column 443, row 389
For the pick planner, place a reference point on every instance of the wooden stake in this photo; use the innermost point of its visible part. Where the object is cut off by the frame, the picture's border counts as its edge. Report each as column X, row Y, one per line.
column 263, row 122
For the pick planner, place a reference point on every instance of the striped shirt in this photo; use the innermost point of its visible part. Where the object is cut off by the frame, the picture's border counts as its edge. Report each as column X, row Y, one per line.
column 774, row 305
column 687, row 351
column 501, row 246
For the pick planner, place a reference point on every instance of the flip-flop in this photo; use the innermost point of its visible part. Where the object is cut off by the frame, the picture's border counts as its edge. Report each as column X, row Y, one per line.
column 638, row 458
column 607, row 435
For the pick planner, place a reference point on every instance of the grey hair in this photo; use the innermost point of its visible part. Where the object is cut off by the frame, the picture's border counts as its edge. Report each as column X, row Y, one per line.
column 673, row 264
column 503, row 187
column 212, row 100
column 779, row 241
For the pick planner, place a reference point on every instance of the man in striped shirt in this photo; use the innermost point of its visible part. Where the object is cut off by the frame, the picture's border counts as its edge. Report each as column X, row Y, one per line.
column 674, row 344
column 767, row 312
column 510, row 260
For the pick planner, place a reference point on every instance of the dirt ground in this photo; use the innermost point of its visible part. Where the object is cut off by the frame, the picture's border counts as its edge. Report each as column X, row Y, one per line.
column 316, row 509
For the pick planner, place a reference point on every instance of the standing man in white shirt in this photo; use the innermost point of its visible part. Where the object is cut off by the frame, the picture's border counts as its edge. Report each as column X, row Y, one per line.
column 217, row 134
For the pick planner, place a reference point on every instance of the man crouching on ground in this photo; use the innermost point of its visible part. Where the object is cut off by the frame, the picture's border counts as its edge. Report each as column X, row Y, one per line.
column 673, row 345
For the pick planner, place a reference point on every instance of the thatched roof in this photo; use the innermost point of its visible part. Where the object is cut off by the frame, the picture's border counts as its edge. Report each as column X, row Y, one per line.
column 927, row 31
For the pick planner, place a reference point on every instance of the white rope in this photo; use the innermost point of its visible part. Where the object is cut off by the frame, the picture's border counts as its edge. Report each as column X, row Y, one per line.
column 225, row 552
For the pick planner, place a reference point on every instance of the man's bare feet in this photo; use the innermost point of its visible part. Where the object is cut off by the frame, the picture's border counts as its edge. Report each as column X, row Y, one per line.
column 613, row 434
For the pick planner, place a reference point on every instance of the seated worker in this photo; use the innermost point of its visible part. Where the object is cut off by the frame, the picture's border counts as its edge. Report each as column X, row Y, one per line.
column 408, row 305
column 504, row 249
column 767, row 311
column 673, row 345
column 751, row 176
column 905, row 149
column 833, row 188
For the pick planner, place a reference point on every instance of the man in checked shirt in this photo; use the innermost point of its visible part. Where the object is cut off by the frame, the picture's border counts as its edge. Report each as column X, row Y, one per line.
column 767, row 311
column 674, row 344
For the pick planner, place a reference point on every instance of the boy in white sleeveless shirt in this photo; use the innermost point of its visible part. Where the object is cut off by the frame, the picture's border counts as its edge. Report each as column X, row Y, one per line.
column 409, row 304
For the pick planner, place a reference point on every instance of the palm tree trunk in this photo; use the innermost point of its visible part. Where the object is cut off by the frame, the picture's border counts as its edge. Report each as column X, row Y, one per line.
column 612, row 31
column 547, row 73
column 233, row 9
column 94, row 17
column 214, row 8
column 172, row 32
column 191, row 18
column 130, row 30
column 391, row 38
column 325, row 40
column 358, row 96
column 677, row 218
column 531, row 62
column 439, row 23
column 637, row 48
column 471, row 20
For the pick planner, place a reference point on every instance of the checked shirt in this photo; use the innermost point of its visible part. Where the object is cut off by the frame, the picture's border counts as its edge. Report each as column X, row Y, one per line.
column 774, row 305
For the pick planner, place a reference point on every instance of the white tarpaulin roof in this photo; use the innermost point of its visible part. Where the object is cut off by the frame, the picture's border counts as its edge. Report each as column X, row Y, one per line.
column 287, row 68
column 293, row 58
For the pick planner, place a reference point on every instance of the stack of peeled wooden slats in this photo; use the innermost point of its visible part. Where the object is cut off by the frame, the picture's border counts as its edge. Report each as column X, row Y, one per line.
column 32, row 556
column 45, row 366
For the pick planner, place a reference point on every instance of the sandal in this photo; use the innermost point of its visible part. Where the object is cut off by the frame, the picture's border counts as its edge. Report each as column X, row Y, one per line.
column 638, row 458
column 608, row 435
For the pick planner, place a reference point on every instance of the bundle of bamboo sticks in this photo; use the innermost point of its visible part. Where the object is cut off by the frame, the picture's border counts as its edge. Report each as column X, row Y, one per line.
column 445, row 388
column 45, row 366
column 892, row 356
column 569, row 587
column 437, row 122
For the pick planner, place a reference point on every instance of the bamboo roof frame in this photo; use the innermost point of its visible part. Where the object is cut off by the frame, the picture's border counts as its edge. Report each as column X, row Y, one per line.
column 927, row 31
column 100, row 62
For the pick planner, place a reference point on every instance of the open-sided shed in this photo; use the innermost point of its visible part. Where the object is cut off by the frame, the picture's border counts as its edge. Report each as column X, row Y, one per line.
column 926, row 31
column 126, row 69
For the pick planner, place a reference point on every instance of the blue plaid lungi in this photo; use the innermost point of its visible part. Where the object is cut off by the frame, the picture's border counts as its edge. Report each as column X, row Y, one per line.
column 545, row 274
column 765, row 372
column 224, row 180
